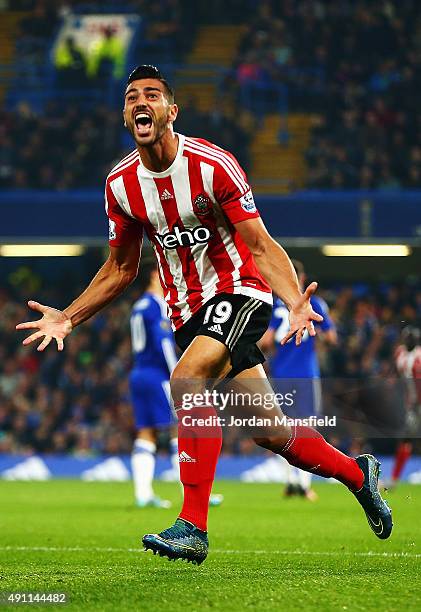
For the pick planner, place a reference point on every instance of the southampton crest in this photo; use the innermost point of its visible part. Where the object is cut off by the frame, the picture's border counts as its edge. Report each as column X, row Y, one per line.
column 202, row 205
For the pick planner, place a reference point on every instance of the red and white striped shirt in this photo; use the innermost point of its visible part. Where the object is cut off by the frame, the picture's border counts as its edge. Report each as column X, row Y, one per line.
column 189, row 213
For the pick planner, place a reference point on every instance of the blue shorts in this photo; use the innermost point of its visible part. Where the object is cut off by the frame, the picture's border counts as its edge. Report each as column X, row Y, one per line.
column 301, row 397
column 150, row 396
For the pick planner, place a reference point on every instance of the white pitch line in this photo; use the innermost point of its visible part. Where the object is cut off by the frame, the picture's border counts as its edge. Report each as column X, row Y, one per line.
column 313, row 553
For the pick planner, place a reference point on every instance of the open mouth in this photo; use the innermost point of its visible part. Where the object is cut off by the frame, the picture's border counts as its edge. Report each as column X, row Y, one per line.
column 143, row 123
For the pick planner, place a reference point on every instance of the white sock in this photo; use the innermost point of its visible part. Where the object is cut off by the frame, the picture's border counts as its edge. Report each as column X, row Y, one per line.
column 174, row 456
column 304, row 479
column 143, row 467
column 174, row 460
column 291, row 474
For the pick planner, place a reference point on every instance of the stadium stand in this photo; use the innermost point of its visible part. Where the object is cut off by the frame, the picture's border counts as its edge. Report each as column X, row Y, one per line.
column 309, row 94
column 352, row 75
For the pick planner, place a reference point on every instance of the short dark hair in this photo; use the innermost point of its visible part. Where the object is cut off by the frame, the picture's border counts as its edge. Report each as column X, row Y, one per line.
column 146, row 71
column 147, row 268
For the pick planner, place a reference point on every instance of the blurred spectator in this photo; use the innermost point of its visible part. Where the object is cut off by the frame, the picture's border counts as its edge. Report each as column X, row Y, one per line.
column 70, row 65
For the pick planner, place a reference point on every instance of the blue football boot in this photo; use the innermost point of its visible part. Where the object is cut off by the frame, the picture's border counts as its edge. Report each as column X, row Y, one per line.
column 378, row 513
column 181, row 541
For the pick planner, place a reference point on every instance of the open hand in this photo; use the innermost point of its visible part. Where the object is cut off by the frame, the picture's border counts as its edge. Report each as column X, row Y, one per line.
column 53, row 324
column 301, row 317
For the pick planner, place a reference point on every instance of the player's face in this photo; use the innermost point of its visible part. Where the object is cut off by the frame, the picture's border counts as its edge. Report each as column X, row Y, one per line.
column 147, row 112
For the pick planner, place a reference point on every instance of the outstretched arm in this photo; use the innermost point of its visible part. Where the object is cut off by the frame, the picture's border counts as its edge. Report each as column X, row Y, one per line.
column 116, row 274
column 277, row 269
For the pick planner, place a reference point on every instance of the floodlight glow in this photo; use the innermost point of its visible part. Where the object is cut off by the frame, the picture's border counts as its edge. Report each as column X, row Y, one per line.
column 41, row 250
column 366, row 250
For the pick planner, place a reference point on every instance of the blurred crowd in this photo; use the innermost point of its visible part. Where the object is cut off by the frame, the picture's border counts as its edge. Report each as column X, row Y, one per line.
column 60, row 149
column 369, row 321
column 70, row 146
column 375, row 148
column 354, row 66
column 77, row 401
column 71, row 402
column 357, row 66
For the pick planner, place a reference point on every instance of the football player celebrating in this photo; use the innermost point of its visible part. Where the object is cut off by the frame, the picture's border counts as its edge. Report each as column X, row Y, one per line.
column 218, row 266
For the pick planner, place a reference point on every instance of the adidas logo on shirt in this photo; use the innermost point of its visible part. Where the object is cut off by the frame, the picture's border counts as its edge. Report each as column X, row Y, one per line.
column 183, row 457
column 217, row 329
column 166, row 195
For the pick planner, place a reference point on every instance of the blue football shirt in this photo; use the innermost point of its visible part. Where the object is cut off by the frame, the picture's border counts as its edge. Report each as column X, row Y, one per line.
column 152, row 339
column 291, row 361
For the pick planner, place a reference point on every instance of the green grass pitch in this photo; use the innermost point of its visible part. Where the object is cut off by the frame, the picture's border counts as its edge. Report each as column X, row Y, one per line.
column 267, row 553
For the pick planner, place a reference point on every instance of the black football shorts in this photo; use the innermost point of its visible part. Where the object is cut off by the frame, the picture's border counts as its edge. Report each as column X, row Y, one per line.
column 238, row 321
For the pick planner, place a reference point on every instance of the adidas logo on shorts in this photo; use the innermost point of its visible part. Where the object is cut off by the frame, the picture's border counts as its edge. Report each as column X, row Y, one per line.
column 183, row 457
column 217, row 329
